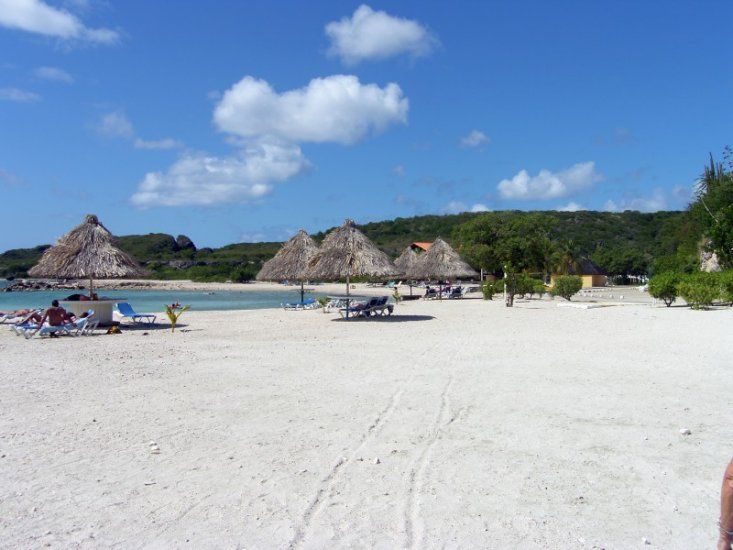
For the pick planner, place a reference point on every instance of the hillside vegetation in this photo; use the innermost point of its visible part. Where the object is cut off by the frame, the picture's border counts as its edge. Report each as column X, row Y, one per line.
column 622, row 243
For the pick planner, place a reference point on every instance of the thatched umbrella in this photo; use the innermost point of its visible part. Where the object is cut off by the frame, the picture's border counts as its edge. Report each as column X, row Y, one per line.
column 345, row 253
column 406, row 261
column 291, row 261
column 441, row 262
column 87, row 252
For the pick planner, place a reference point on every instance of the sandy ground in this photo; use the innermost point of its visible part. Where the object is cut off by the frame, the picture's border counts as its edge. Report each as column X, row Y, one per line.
column 459, row 424
column 254, row 286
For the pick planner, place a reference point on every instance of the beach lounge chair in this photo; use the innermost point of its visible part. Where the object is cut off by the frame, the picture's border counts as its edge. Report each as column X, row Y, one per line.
column 7, row 317
column 127, row 312
column 455, row 292
column 310, row 303
column 374, row 307
column 48, row 330
column 83, row 325
column 358, row 309
column 380, row 308
column 431, row 294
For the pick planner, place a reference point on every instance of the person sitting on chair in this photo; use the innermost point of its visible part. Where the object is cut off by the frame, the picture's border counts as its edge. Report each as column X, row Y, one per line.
column 55, row 315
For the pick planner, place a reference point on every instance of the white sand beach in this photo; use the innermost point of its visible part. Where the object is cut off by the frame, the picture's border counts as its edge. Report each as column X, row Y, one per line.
column 454, row 424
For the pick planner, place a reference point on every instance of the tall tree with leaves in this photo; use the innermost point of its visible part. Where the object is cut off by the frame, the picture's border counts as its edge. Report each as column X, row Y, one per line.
column 714, row 206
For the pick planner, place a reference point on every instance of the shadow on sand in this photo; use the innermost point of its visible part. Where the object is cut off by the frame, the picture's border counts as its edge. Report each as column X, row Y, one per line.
column 142, row 327
column 386, row 319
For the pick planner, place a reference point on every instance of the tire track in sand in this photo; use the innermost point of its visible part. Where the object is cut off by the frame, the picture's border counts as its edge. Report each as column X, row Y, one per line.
column 327, row 483
column 416, row 478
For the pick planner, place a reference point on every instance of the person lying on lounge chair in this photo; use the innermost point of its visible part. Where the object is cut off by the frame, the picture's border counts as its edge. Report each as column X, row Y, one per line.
column 34, row 317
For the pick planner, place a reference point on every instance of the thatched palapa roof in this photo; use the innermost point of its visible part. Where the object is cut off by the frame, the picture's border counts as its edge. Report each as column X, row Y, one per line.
column 87, row 251
column 441, row 262
column 291, row 261
column 347, row 252
column 406, row 260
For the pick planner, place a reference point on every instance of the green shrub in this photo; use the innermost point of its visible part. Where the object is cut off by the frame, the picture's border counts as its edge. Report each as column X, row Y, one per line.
column 664, row 287
column 726, row 286
column 566, row 286
column 524, row 284
column 174, row 314
column 539, row 288
column 700, row 290
column 243, row 274
column 489, row 289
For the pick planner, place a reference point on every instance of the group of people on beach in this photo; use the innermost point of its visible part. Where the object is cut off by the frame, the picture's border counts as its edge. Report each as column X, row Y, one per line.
column 54, row 316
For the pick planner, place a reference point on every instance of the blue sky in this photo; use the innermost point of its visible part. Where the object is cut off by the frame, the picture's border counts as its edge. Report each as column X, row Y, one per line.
column 234, row 121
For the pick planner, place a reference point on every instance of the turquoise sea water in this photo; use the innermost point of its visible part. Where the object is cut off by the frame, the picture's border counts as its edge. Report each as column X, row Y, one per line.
column 154, row 300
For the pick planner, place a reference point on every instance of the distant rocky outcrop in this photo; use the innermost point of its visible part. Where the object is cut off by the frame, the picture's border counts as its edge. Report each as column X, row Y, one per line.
column 709, row 262
column 184, row 243
column 25, row 286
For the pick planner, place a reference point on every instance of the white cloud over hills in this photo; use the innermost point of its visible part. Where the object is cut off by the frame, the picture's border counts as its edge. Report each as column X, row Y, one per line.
column 571, row 207
column 657, row 201
column 549, row 185
column 373, row 35
column 336, row 108
column 199, row 179
column 457, row 207
column 37, row 17
column 269, row 127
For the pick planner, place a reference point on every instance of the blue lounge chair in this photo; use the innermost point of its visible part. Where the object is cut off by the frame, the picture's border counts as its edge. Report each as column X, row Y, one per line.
column 309, row 303
column 127, row 312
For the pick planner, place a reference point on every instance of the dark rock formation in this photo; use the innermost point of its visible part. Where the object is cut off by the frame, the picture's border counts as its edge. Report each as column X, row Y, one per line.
column 184, row 243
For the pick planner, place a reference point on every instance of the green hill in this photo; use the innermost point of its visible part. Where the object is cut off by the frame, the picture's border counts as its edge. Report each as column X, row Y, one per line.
column 625, row 242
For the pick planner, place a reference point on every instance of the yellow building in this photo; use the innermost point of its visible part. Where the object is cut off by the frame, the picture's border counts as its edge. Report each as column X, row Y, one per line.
column 591, row 274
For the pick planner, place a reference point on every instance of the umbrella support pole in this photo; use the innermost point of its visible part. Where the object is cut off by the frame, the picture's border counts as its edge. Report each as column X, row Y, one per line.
column 91, row 288
column 302, row 293
column 348, row 301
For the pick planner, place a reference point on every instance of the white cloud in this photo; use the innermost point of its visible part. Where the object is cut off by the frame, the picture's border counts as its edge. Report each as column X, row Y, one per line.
column 167, row 143
column 454, row 207
column 269, row 127
column 475, row 138
column 657, row 201
column 117, row 125
column 571, row 207
column 457, row 207
column 336, row 108
column 198, row 179
column 9, row 179
column 369, row 35
column 549, row 185
column 683, row 193
column 399, row 170
column 38, row 17
column 53, row 74
column 17, row 95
